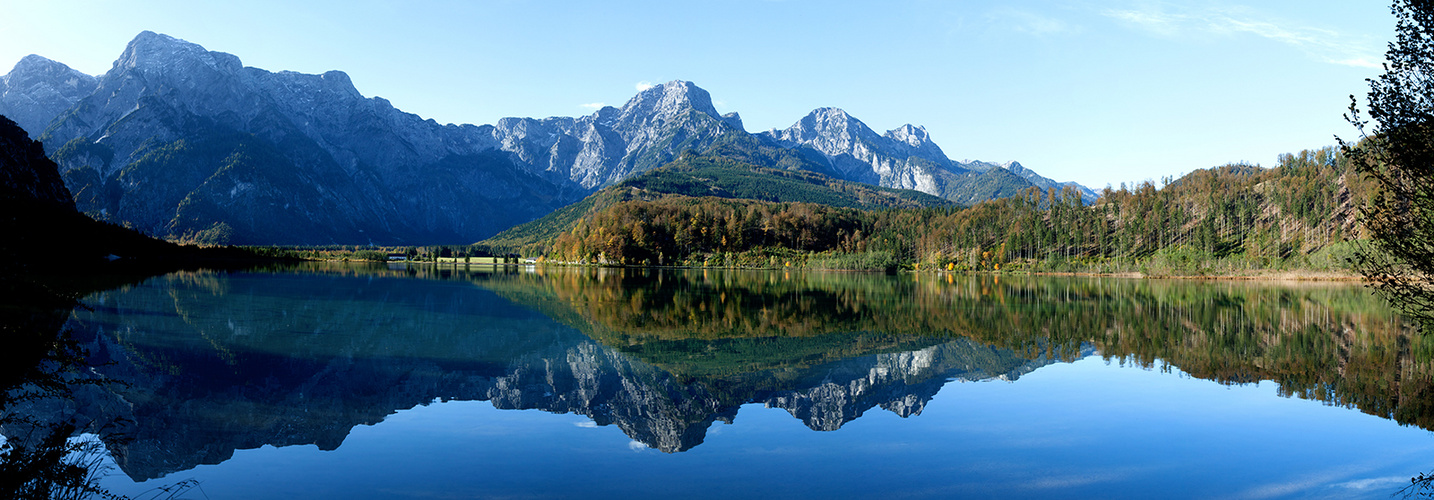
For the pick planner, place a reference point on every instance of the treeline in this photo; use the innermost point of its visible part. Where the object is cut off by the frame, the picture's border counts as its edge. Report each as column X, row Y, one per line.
column 693, row 175
column 1228, row 219
column 729, row 177
column 369, row 253
column 1335, row 344
column 671, row 231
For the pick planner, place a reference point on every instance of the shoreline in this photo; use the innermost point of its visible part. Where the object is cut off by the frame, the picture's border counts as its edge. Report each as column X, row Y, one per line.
column 1305, row 276
column 1272, row 276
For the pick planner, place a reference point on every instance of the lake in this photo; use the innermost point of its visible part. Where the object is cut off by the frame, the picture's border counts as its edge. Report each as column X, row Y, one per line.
column 419, row 382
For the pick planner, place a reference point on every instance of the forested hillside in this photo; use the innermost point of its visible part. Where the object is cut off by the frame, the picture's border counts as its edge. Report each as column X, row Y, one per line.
column 1226, row 220
column 730, row 175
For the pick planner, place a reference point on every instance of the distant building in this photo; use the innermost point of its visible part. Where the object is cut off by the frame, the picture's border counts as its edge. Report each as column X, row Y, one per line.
column 397, row 257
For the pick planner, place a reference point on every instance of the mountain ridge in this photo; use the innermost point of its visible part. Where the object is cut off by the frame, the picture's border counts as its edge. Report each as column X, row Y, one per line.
column 365, row 171
column 716, row 176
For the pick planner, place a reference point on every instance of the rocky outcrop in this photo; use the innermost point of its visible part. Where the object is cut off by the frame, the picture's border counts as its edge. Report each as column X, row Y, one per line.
column 185, row 142
column 37, row 90
column 614, row 143
column 902, row 158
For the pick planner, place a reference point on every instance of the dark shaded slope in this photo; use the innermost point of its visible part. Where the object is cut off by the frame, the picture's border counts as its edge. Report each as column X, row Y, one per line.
column 40, row 224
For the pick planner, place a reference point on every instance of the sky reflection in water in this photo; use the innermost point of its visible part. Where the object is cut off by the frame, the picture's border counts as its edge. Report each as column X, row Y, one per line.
column 1092, row 428
column 1086, row 429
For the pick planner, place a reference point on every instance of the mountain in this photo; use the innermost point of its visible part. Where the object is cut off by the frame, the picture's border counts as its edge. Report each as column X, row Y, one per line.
column 37, row 90
column 721, row 175
column 1087, row 195
column 186, row 143
column 904, row 157
column 612, row 144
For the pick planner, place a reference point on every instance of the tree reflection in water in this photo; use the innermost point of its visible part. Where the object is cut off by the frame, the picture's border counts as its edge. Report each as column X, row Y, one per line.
column 216, row 362
column 40, row 369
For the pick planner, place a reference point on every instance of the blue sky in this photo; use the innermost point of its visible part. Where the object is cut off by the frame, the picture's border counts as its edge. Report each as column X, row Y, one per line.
column 1097, row 92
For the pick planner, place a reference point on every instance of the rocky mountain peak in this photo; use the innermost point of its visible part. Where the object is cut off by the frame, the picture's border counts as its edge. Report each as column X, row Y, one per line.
column 34, row 70
column 338, row 80
column 825, row 123
column 912, row 135
column 734, row 119
column 670, row 99
column 154, row 51
column 830, row 117
column 37, row 89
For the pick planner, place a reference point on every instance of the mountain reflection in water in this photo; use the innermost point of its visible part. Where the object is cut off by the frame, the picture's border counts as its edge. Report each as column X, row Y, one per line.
column 208, row 363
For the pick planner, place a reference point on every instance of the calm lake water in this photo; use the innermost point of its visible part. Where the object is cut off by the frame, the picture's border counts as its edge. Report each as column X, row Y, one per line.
column 377, row 382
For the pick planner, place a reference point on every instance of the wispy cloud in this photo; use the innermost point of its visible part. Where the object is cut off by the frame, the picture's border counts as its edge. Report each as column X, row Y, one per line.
column 1156, row 22
column 1373, row 483
column 1032, row 23
column 1326, row 45
column 1315, row 480
column 593, row 105
column 643, row 85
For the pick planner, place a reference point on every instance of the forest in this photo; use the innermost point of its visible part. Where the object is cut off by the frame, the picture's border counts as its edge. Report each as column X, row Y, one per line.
column 1334, row 344
column 1297, row 216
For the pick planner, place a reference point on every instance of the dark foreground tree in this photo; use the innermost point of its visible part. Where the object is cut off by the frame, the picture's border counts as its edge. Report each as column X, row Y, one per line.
column 1398, row 154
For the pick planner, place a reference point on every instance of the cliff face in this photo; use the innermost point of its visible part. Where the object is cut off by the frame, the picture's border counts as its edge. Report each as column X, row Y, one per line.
column 37, row 90
column 180, row 141
column 902, row 158
column 189, row 143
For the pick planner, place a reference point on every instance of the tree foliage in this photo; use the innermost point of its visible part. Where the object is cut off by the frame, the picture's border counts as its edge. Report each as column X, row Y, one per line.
column 1234, row 218
column 1398, row 155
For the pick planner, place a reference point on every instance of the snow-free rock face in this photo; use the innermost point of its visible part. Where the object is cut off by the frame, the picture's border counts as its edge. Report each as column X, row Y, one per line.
column 902, row 158
column 181, row 141
column 612, row 144
column 184, row 142
column 660, row 123
column 38, row 89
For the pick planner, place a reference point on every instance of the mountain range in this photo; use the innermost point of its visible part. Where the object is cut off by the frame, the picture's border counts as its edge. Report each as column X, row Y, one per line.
column 185, row 143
